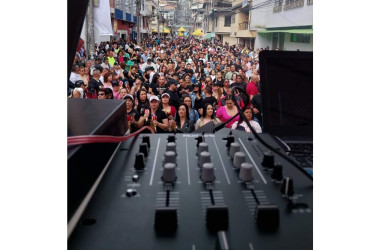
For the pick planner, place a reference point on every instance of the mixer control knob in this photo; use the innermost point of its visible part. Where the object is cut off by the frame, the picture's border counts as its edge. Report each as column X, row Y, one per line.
column 146, row 140
column 207, row 174
column 135, row 178
column 199, row 140
column 268, row 160
column 171, row 138
column 130, row 192
column 169, row 173
column 204, row 158
column 287, row 186
column 139, row 161
column 239, row 158
column 235, row 147
column 170, row 157
column 203, row 146
column 277, row 172
column 171, row 147
column 143, row 148
column 246, row 172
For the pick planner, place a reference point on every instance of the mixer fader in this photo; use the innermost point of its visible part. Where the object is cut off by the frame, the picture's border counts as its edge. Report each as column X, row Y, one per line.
column 194, row 191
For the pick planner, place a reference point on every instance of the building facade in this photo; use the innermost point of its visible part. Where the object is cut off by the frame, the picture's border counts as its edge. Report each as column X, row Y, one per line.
column 284, row 25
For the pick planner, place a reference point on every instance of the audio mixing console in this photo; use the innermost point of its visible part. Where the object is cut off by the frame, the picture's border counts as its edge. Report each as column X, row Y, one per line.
column 198, row 192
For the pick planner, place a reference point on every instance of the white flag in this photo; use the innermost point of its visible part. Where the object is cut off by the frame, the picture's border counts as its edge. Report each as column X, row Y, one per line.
column 102, row 18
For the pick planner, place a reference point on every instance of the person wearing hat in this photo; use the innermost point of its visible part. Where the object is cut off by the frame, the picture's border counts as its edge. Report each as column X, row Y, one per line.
column 172, row 91
column 132, row 113
column 155, row 118
column 169, row 110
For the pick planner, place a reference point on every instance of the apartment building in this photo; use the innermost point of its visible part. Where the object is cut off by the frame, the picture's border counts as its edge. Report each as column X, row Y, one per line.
column 283, row 24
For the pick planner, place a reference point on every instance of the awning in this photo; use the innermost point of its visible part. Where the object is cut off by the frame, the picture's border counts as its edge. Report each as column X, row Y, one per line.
column 295, row 31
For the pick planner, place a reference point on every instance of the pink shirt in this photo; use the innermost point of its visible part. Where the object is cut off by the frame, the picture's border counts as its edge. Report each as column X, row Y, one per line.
column 116, row 95
column 223, row 116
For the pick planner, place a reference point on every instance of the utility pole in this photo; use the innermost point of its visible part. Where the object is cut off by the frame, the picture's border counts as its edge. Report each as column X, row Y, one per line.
column 158, row 17
column 138, row 2
column 90, row 30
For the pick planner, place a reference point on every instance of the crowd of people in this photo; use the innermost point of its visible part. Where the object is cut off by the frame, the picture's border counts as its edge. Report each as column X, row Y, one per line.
column 173, row 85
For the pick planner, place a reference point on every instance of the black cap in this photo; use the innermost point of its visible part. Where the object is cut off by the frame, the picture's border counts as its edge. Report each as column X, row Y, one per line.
column 115, row 83
column 116, row 63
column 149, row 60
column 196, row 85
column 78, row 83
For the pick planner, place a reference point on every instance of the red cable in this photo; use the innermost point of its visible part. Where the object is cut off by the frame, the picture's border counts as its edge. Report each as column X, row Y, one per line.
column 85, row 139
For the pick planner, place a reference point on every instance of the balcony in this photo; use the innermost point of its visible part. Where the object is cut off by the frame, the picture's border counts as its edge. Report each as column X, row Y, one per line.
column 243, row 26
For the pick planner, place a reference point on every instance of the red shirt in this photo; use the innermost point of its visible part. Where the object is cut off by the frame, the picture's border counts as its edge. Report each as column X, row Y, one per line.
column 251, row 89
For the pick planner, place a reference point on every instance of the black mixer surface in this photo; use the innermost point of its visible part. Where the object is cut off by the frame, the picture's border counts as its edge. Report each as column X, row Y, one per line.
column 165, row 192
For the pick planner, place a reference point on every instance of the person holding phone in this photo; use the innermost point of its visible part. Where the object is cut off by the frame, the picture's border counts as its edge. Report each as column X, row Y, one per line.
column 154, row 116
column 132, row 114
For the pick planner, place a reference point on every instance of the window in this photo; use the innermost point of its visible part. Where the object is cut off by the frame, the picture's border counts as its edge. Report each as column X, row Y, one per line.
column 309, row 2
column 216, row 21
column 277, row 5
column 233, row 19
column 290, row 4
column 227, row 21
column 300, row 38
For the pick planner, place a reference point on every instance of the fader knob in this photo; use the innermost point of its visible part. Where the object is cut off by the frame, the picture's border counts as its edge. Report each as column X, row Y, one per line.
column 146, row 140
column 239, row 158
column 170, row 157
column 235, row 147
column 171, row 147
column 246, row 172
column 143, row 148
column 277, row 172
column 203, row 146
column 169, row 173
column 204, row 158
column 267, row 217
column 268, row 160
column 287, row 187
column 139, row 161
column 207, row 174
column 171, row 138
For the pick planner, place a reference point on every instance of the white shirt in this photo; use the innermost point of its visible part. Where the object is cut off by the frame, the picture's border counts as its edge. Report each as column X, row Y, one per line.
column 253, row 123
column 74, row 77
column 151, row 76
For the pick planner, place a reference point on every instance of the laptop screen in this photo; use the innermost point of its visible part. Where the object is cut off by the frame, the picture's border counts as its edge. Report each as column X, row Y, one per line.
column 286, row 79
